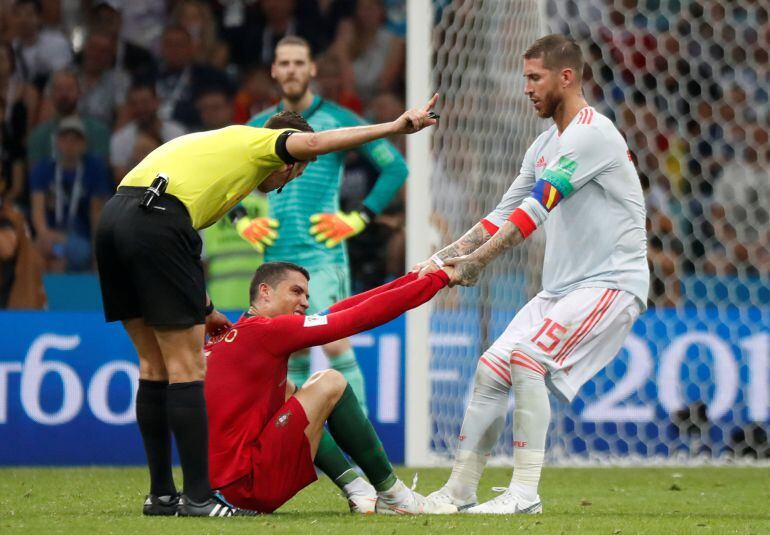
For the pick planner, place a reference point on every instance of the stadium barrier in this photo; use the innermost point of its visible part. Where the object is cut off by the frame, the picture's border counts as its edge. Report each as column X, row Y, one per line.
column 683, row 383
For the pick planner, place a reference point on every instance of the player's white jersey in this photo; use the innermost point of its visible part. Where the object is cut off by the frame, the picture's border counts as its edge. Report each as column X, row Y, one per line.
column 583, row 188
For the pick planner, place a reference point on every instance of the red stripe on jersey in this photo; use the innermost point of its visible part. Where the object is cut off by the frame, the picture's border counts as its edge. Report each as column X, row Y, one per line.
column 497, row 370
column 587, row 320
column 489, row 226
column 595, row 322
column 521, row 219
column 525, row 360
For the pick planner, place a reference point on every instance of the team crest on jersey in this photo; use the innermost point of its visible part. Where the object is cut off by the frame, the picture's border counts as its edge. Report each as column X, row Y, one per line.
column 283, row 419
column 315, row 320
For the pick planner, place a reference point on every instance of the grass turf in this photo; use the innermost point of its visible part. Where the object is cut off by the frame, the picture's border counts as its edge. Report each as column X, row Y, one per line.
column 579, row 500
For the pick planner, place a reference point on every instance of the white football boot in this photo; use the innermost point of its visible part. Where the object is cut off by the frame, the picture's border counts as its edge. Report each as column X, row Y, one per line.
column 405, row 501
column 443, row 495
column 362, row 498
column 507, row 503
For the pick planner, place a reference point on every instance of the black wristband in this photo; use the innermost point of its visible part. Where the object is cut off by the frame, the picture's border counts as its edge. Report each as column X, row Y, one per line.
column 367, row 214
column 210, row 307
column 281, row 150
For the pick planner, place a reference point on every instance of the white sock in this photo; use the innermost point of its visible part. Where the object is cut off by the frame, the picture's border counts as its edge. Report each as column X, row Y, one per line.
column 359, row 486
column 532, row 416
column 395, row 494
column 483, row 423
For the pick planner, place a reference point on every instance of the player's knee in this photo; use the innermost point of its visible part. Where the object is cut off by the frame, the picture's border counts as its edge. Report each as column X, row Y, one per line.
column 332, row 382
column 152, row 370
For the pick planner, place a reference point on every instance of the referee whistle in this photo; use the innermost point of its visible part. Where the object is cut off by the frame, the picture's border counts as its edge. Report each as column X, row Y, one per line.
column 153, row 193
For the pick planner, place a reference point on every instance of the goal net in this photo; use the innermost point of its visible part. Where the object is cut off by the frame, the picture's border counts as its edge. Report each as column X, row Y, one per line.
column 687, row 84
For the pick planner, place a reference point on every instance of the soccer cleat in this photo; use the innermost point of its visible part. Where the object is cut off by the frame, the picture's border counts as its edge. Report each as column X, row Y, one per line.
column 363, row 501
column 161, row 505
column 413, row 504
column 443, row 495
column 507, row 503
column 216, row 505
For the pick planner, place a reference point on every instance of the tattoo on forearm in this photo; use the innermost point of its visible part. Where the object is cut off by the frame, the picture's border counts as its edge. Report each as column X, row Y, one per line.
column 470, row 241
column 469, row 270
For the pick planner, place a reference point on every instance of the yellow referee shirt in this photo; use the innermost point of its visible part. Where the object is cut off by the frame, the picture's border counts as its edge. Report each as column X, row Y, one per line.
column 210, row 172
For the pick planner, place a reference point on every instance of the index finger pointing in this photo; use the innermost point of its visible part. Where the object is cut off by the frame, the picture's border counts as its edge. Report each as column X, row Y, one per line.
column 431, row 102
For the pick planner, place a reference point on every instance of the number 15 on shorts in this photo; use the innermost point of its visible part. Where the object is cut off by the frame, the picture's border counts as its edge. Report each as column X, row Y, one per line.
column 549, row 335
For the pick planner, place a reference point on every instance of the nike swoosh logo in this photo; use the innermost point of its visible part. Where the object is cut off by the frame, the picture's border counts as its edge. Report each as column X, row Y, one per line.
column 526, row 510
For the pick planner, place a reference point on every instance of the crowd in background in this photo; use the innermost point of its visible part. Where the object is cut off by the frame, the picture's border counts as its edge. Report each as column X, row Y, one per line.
column 88, row 88
column 688, row 83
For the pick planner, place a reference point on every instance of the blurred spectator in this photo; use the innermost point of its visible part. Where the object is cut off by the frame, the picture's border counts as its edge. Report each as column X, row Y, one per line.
column 64, row 89
column 180, row 79
column 372, row 58
column 145, row 143
column 274, row 20
column 741, row 210
column 68, row 193
column 142, row 105
column 143, row 21
column 197, row 18
column 329, row 83
column 39, row 52
column 21, row 280
column 256, row 93
column 18, row 105
column 135, row 59
column 387, row 106
column 215, row 107
column 103, row 86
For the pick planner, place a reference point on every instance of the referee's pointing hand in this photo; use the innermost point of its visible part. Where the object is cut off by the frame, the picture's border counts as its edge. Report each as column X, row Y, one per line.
column 415, row 119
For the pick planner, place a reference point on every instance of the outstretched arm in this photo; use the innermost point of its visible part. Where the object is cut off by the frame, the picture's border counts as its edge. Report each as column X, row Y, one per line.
column 468, row 267
column 477, row 236
column 292, row 333
column 308, row 145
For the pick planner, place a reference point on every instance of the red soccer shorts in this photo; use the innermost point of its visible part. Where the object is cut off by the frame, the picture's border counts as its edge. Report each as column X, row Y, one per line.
column 281, row 463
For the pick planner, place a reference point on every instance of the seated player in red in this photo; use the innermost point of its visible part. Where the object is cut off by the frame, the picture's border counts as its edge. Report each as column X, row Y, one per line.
column 264, row 432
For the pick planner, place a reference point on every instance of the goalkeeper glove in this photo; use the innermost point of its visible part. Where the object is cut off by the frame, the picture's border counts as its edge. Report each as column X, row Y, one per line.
column 258, row 231
column 333, row 228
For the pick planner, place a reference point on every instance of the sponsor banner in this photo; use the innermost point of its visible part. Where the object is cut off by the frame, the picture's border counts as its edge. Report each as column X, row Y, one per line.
column 68, row 384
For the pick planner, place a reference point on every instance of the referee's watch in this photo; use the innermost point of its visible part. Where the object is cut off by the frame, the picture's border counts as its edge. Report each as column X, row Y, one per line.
column 210, row 307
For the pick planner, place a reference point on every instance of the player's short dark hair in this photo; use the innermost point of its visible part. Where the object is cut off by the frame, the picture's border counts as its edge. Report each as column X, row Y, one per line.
column 557, row 52
column 297, row 41
column 288, row 119
column 272, row 273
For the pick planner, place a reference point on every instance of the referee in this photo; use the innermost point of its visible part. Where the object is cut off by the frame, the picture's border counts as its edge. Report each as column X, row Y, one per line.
column 148, row 254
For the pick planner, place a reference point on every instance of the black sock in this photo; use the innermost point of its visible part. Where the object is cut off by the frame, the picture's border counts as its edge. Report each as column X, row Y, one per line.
column 187, row 417
column 156, row 435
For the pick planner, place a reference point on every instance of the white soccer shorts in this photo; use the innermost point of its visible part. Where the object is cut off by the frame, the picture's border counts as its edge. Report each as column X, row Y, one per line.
column 567, row 339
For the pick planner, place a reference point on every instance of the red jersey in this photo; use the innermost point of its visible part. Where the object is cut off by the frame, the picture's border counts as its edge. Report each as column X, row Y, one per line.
column 246, row 366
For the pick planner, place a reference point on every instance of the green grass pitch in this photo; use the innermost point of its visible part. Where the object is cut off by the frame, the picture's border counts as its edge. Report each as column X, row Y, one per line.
column 708, row 500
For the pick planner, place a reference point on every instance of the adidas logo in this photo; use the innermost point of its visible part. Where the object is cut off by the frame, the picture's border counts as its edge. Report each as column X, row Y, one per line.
column 540, row 162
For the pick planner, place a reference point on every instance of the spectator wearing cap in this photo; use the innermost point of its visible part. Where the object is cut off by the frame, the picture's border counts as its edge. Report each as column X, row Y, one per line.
column 39, row 51
column 106, row 16
column 180, row 79
column 142, row 107
column 68, row 193
column 64, row 95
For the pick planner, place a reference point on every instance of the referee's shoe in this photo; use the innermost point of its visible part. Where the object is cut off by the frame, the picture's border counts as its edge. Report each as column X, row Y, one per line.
column 167, row 505
column 216, row 505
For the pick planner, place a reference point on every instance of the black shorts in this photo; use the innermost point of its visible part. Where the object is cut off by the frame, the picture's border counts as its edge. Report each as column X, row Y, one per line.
column 150, row 262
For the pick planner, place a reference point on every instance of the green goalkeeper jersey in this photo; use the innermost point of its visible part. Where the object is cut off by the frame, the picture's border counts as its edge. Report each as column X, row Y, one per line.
column 317, row 189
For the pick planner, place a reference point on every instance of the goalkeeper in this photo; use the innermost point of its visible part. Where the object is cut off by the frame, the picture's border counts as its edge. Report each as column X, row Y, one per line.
column 312, row 227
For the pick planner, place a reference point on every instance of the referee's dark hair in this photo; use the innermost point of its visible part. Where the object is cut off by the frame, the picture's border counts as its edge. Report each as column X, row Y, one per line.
column 272, row 273
column 288, row 119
